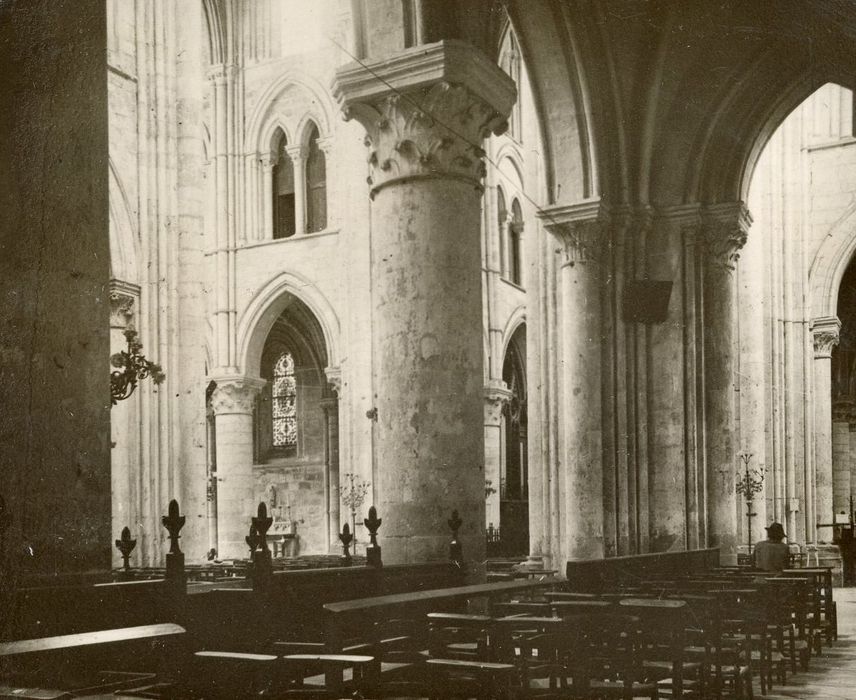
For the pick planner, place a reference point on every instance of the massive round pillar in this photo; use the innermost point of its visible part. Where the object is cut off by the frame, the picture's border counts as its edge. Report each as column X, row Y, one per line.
column 233, row 402
column 426, row 112
column 724, row 232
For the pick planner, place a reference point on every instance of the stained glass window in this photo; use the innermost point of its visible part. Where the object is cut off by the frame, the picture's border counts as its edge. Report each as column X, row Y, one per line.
column 284, row 402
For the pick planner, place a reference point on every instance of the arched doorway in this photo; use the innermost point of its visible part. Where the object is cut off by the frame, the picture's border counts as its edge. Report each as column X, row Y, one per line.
column 295, row 431
column 514, row 467
column 844, row 400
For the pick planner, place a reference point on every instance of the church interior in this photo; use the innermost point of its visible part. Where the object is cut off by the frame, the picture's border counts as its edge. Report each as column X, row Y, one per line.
column 383, row 348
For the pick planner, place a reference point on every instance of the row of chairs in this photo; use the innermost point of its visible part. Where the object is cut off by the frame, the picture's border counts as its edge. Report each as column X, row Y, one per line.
column 705, row 636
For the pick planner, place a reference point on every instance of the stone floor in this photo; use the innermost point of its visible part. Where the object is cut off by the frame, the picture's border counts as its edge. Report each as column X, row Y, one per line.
column 833, row 675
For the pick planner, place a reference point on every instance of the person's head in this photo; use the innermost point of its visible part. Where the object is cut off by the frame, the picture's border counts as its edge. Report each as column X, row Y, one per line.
column 775, row 532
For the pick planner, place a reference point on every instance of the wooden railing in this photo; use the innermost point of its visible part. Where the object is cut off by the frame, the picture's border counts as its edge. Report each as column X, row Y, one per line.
column 595, row 575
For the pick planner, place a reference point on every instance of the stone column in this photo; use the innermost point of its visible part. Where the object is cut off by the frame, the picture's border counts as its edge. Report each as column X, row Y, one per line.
column 724, row 232
column 233, row 402
column 496, row 395
column 298, row 155
column 824, row 336
column 427, row 111
column 841, row 411
column 330, row 406
column 268, row 163
column 124, row 427
column 583, row 233
column 851, row 502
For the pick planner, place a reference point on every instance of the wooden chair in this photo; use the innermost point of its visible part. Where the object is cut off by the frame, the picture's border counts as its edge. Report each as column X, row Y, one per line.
column 484, row 680
column 458, row 636
column 664, row 624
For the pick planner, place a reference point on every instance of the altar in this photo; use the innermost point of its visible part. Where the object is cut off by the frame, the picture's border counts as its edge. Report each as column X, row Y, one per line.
column 283, row 540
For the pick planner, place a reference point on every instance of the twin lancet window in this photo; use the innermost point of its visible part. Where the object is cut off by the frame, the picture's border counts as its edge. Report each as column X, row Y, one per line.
column 299, row 186
column 510, row 243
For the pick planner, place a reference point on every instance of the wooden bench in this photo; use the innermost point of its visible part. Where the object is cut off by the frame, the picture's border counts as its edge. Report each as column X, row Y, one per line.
column 73, row 660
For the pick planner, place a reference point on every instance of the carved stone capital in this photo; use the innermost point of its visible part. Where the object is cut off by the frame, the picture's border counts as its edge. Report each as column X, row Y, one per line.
column 842, row 410
column 496, row 395
column 123, row 301
column 121, row 309
column 824, row 335
column 297, row 153
column 334, row 379
column 268, row 160
column 582, row 228
column 235, row 395
column 426, row 111
column 724, row 231
column 325, row 143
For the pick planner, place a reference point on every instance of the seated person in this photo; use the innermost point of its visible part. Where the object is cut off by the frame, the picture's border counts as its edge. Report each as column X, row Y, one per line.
column 772, row 554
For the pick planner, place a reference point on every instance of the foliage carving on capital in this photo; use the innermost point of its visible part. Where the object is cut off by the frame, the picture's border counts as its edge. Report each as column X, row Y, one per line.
column 824, row 340
column 583, row 241
column 496, row 395
column 121, row 309
column 825, row 334
column 722, row 237
column 433, row 131
column 334, row 379
column 235, row 395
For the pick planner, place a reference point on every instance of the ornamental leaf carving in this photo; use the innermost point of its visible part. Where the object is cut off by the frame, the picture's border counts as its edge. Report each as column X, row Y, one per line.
column 436, row 130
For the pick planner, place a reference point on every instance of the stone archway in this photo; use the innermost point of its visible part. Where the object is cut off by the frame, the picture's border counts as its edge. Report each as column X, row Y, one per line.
column 276, row 429
column 514, row 467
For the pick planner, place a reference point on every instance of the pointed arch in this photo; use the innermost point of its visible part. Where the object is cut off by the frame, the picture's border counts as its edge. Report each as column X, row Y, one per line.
column 260, row 121
column 124, row 240
column 835, row 254
column 266, row 306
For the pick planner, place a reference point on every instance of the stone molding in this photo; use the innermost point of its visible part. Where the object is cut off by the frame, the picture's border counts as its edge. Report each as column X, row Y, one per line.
column 724, row 231
column 496, row 395
column 824, row 335
column 426, row 111
column 334, row 379
column 219, row 72
column 235, row 395
column 330, row 405
column 582, row 228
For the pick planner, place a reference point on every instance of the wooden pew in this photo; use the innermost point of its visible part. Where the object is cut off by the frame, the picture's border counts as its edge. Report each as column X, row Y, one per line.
column 75, row 661
column 596, row 575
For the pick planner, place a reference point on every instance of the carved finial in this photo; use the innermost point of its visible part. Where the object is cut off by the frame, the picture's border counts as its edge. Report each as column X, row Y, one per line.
column 373, row 523
column 252, row 539
column 345, row 537
column 173, row 522
column 126, row 545
column 455, row 523
column 456, row 552
column 261, row 524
